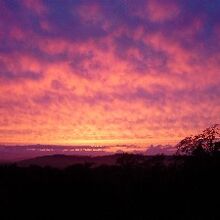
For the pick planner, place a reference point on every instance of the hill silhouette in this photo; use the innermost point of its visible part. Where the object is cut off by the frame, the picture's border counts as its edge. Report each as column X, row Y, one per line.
column 136, row 187
column 62, row 161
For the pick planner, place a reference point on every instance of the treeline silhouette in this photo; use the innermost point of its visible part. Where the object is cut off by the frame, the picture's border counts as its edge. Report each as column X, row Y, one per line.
column 183, row 186
column 187, row 187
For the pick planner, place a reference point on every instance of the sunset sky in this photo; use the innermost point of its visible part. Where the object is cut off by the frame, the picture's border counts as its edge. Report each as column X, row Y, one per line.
column 108, row 71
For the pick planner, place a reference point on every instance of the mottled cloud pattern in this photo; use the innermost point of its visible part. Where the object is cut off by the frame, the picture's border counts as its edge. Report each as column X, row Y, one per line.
column 97, row 72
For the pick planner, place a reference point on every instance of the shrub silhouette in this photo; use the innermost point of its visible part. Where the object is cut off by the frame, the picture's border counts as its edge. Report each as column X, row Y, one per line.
column 129, row 160
column 201, row 144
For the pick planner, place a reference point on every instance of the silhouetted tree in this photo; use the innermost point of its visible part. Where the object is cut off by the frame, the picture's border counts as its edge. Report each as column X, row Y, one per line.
column 201, row 144
column 126, row 160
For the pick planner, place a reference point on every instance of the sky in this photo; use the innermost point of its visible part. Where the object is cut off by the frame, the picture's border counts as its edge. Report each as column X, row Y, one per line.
column 108, row 71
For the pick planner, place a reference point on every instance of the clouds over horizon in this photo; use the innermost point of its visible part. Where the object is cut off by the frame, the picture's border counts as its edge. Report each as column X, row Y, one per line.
column 108, row 71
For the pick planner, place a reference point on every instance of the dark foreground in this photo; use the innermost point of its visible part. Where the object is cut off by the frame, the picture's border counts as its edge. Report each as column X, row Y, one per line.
column 188, row 189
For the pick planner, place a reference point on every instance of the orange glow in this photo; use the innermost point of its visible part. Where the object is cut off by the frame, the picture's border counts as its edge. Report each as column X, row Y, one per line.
column 124, row 84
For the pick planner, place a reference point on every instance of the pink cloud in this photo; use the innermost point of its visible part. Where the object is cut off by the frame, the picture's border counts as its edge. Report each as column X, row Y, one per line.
column 36, row 6
column 160, row 11
column 60, row 83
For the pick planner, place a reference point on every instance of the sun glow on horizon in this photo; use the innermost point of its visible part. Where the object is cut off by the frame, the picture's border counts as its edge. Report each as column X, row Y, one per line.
column 101, row 72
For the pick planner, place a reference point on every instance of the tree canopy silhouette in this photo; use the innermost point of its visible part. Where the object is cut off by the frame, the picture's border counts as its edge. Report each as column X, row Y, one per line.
column 205, row 143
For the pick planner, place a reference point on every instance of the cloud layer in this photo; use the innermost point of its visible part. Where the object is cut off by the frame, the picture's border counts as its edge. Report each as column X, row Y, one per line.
column 80, row 72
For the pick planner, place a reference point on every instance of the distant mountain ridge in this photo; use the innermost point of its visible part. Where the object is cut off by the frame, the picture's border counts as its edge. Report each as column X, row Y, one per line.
column 16, row 152
column 62, row 161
